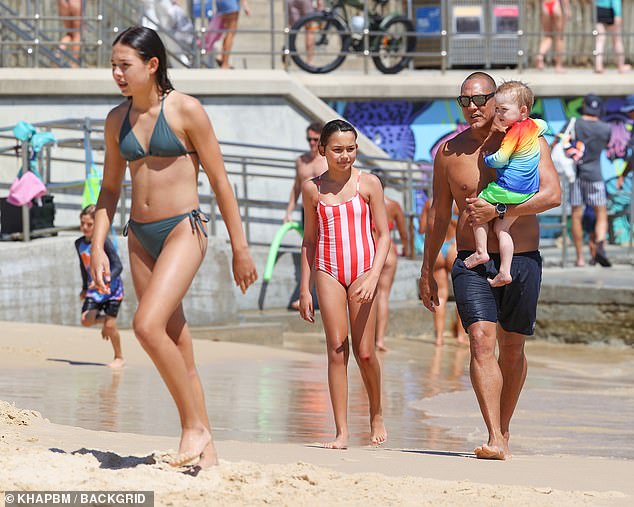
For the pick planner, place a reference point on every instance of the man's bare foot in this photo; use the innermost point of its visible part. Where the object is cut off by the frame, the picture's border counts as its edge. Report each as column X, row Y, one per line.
column 500, row 280
column 341, row 442
column 380, row 346
column 117, row 364
column 440, row 341
column 559, row 69
column 295, row 304
column 624, row 68
column 378, row 433
column 475, row 259
column 580, row 263
column 463, row 339
column 486, row 451
column 192, row 445
column 598, row 70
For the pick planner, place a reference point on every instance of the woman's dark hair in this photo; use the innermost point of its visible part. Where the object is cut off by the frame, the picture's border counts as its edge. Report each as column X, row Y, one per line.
column 149, row 45
column 335, row 126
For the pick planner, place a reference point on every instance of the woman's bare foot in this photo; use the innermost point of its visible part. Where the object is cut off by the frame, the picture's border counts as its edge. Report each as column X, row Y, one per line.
column 440, row 341
column 463, row 338
column 340, row 442
column 486, row 451
column 598, row 70
column 501, row 279
column 507, row 452
column 192, row 445
column 378, row 433
column 475, row 259
column 624, row 68
column 580, row 263
column 117, row 364
column 559, row 69
column 209, row 457
column 380, row 346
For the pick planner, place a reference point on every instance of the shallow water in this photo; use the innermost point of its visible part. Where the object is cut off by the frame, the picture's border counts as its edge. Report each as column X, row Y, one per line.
column 577, row 400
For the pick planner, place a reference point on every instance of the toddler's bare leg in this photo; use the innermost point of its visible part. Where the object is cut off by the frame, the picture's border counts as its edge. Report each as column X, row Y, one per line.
column 505, row 241
column 480, row 256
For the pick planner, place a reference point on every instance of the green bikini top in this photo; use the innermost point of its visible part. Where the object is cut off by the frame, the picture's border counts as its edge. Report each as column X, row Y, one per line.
column 163, row 142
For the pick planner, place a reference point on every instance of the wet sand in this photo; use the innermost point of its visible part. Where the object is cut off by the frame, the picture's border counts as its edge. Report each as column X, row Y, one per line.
column 269, row 406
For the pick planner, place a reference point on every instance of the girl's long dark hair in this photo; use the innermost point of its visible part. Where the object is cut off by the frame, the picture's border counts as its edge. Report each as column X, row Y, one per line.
column 149, row 45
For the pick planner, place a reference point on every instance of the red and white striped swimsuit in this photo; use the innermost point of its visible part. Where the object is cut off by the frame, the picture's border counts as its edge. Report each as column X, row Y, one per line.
column 345, row 247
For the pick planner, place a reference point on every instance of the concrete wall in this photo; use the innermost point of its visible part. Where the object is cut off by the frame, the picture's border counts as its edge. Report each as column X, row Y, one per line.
column 40, row 282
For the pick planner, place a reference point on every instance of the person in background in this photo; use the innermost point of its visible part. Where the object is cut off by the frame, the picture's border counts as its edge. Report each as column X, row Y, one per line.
column 72, row 35
column 395, row 218
column 554, row 14
column 588, row 188
column 224, row 24
column 442, row 270
column 628, row 109
column 308, row 165
column 610, row 19
column 298, row 9
column 100, row 308
column 181, row 27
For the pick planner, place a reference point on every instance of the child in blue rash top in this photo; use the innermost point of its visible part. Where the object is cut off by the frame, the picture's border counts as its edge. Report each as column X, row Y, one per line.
column 517, row 175
column 100, row 308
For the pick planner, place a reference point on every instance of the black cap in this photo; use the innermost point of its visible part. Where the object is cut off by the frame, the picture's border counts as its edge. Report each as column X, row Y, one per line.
column 592, row 105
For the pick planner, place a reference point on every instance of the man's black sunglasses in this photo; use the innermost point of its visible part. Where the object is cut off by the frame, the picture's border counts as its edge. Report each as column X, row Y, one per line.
column 478, row 100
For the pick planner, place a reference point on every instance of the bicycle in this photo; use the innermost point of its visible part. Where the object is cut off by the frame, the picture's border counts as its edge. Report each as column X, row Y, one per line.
column 320, row 42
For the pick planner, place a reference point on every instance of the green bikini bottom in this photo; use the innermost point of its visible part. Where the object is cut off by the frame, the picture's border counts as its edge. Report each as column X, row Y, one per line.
column 152, row 235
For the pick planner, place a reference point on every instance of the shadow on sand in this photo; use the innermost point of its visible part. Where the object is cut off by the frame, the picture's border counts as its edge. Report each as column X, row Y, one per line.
column 75, row 363
column 111, row 460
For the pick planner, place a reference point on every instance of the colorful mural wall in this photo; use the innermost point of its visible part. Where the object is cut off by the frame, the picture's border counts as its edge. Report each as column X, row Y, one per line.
column 408, row 129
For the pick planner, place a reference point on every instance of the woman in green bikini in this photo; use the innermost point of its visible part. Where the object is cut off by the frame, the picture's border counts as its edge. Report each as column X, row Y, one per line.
column 163, row 136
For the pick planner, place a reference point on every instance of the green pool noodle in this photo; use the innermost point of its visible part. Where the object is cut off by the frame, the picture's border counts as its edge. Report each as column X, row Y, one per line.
column 275, row 246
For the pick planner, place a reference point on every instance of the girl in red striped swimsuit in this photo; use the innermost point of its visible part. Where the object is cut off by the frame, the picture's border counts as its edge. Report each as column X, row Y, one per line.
column 340, row 208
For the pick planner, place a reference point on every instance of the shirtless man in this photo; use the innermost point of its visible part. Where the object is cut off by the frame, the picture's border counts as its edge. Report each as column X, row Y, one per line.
column 307, row 166
column 505, row 315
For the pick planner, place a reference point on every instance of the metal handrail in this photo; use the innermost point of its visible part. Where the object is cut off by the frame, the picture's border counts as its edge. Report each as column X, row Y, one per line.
column 196, row 54
column 403, row 175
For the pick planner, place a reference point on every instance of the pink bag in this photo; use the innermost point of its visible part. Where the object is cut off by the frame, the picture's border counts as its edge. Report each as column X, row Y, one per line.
column 26, row 188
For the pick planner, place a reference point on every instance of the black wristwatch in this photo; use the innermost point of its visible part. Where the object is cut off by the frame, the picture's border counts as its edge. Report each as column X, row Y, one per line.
column 500, row 208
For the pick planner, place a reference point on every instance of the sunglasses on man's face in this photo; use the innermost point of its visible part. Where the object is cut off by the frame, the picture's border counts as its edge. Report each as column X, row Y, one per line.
column 478, row 100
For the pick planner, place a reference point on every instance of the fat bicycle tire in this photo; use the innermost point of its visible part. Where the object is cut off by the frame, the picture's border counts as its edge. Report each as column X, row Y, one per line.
column 325, row 28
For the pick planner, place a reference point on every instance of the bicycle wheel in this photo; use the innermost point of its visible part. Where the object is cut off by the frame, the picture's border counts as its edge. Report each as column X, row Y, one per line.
column 391, row 47
column 318, row 43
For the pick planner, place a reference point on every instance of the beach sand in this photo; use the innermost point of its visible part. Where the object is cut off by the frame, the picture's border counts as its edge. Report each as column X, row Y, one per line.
column 36, row 454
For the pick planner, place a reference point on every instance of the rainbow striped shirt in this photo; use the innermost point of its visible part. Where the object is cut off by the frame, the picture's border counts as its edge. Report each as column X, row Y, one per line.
column 517, row 160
